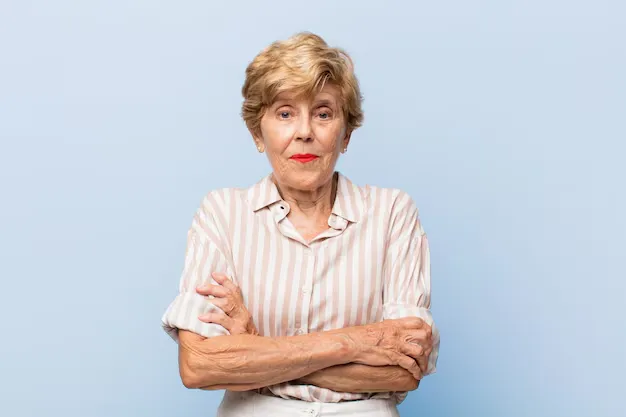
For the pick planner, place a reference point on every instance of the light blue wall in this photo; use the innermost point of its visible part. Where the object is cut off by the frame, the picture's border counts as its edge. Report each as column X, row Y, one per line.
column 503, row 119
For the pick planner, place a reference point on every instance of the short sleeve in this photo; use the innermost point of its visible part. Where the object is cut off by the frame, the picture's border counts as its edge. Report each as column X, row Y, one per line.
column 204, row 254
column 406, row 269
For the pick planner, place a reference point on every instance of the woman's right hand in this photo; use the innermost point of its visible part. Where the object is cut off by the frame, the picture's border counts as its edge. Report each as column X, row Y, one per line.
column 405, row 342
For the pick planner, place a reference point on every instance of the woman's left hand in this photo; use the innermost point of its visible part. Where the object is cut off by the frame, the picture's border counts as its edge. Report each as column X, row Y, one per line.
column 236, row 318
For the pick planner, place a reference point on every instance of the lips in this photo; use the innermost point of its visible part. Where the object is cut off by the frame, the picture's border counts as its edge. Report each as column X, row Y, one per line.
column 306, row 157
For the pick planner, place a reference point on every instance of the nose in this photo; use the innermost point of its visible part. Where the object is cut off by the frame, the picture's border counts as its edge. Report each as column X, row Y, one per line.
column 304, row 130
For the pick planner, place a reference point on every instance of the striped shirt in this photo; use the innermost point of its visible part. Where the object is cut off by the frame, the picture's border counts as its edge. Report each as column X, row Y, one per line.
column 372, row 263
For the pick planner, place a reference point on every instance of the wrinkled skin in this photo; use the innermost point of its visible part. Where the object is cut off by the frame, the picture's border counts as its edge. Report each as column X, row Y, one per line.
column 296, row 125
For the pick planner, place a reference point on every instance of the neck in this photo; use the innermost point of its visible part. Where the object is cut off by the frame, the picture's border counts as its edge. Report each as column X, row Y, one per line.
column 311, row 203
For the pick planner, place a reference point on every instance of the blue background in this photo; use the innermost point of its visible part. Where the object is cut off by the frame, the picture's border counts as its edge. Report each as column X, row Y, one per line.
column 505, row 120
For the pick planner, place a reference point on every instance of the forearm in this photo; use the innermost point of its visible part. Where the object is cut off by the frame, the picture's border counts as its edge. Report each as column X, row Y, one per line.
column 244, row 362
column 352, row 377
column 355, row 377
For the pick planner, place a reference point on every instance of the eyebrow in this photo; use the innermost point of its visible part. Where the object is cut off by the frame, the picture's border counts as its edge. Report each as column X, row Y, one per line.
column 324, row 102
column 286, row 101
column 282, row 102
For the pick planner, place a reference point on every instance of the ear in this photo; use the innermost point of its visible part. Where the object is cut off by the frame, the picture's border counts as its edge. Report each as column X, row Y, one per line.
column 346, row 139
column 258, row 139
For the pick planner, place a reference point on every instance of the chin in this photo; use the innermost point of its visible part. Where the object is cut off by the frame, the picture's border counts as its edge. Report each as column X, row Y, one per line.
column 309, row 176
column 310, row 180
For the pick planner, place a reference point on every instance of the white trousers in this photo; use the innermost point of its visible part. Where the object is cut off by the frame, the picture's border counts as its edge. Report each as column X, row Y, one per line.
column 251, row 404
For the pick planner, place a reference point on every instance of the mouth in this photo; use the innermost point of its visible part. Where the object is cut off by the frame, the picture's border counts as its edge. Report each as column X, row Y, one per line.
column 304, row 158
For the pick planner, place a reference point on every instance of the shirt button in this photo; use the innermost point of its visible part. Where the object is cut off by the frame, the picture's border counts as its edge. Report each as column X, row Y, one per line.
column 306, row 290
column 299, row 332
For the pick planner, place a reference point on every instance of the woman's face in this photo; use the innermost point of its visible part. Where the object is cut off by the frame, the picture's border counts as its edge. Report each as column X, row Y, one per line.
column 294, row 126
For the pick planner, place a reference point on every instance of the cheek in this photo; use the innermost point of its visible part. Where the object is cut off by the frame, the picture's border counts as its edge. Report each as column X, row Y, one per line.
column 276, row 140
column 332, row 139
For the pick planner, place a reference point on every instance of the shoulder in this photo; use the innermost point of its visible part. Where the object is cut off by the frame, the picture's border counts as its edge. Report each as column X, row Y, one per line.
column 377, row 200
column 217, row 206
column 228, row 202
column 399, row 212
column 396, row 210
column 393, row 201
column 222, row 198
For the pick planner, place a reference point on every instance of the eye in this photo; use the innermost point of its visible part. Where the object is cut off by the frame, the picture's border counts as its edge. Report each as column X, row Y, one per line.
column 324, row 114
column 284, row 114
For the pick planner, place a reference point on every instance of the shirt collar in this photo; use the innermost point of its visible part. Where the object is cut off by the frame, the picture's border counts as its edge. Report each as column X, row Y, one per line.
column 349, row 201
column 263, row 193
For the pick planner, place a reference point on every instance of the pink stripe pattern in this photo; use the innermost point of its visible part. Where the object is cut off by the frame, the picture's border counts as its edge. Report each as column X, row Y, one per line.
column 371, row 264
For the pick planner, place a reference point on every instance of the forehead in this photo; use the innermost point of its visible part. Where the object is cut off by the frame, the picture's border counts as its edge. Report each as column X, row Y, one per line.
column 329, row 92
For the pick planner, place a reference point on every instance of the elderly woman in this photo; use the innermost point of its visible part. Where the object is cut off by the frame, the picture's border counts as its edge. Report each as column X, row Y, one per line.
column 304, row 294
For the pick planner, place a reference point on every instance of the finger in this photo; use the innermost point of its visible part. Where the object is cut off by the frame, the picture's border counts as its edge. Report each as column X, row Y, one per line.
column 413, row 350
column 226, row 306
column 220, row 302
column 214, row 290
column 422, row 336
column 252, row 330
column 225, row 281
column 422, row 362
column 419, row 353
column 410, row 365
column 429, row 331
column 218, row 318
column 412, row 322
column 407, row 323
column 419, row 337
column 238, row 329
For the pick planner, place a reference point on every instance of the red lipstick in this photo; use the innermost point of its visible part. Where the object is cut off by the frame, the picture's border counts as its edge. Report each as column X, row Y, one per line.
column 304, row 157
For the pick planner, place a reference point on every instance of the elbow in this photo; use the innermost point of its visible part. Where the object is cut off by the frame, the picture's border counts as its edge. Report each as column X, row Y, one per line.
column 188, row 376
column 189, row 379
column 408, row 383
column 192, row 374
column 412, row 384
column 192, row 380
column 194, row 365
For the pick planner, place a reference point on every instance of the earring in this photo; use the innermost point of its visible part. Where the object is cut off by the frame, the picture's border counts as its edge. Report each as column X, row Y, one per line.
column 344, row 150
column 260, row 148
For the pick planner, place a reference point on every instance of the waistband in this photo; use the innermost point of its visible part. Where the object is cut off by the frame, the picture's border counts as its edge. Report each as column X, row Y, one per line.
column 386, row 407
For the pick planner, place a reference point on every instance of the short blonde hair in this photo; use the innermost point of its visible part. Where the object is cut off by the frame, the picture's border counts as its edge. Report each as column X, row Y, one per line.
column 301, row 64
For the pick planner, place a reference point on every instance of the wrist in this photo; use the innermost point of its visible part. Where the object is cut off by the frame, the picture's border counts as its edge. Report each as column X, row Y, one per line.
column 352, row 342
column 348, row 347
